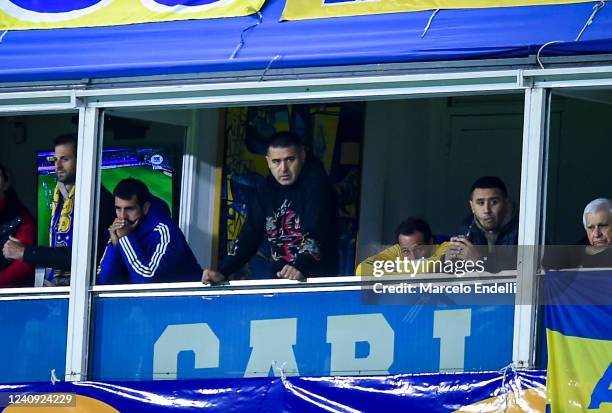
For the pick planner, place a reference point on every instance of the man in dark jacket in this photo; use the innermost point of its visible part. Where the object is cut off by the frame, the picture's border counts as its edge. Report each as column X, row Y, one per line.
column 491, row 232
column 145, row 246
column 295, row 210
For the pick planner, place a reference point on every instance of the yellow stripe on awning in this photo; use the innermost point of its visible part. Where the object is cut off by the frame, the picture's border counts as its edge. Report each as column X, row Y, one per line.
column 316, row 9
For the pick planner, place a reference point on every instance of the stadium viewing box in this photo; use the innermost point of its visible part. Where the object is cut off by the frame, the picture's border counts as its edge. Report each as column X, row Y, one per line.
column 405, row 104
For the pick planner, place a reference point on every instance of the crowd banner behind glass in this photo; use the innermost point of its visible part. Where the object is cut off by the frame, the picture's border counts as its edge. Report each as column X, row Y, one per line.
column 33, row 14
column 315, row 9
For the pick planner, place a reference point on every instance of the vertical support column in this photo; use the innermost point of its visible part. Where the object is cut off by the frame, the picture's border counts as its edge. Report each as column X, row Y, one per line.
column 189, row 176
column 83, row 247
column 371, row 210
column 199, row 183
column 523, row 354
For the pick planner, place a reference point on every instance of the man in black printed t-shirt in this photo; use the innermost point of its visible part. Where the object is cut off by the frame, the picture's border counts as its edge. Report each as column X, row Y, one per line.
column 295, row 209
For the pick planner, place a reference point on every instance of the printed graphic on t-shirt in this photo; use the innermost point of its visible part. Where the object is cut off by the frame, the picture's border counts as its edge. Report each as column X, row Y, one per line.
column 286, row 237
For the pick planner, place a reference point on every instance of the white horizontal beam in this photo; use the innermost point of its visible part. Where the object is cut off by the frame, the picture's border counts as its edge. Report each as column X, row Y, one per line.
column 27, row 296
column 33, row 107
column 308, row 96
column 35, row 291
column 346, row 281
column 564, row 71
column 287, row 286
column 579, row 83
column 38, row 94
column 306, row 90
column 321, row 82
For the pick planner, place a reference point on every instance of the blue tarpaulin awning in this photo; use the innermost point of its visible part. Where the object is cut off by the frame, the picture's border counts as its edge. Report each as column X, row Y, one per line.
column 205, row 46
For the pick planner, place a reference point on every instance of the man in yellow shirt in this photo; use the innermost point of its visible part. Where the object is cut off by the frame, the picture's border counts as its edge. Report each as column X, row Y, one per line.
column 414, row 243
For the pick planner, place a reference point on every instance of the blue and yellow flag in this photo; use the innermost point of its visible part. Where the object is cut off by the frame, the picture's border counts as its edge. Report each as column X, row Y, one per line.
column 579, row 334
column 316, row 9
column 514, row 392
column 36, row 14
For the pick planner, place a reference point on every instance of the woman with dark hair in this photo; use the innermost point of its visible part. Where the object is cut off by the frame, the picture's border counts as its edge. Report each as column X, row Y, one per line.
column 16, row 222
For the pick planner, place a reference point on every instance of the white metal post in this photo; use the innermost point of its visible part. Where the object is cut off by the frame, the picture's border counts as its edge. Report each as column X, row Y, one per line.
column 189, row 177
column 83, row 247
column 198, row 189
column 523, row 354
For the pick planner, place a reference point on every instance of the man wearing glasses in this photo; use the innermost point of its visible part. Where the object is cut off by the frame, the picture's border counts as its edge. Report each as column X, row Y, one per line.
column 415, row 244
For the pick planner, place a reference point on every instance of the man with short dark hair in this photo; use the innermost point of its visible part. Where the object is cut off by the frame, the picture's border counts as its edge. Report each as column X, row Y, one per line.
column 295, row 210
column 145, row 245
column 491, row 231
column 57, row 257
column 414, row 242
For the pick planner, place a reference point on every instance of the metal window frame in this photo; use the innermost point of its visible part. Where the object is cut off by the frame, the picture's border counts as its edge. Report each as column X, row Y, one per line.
column 83, row 249
column 370, row 86
column 531, row 200
column 89, row 100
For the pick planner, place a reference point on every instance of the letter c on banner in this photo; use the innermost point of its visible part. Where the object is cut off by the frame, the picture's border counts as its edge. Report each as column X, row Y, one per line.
column 51, row 11
column 177, row 338
column 184, row 6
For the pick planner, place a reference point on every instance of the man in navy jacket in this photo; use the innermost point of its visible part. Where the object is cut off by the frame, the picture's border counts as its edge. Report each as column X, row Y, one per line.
column 145, row 245
column 490, row 233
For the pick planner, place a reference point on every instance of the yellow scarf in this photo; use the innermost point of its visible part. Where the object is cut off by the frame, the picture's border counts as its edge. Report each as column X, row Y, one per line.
column 60, row 232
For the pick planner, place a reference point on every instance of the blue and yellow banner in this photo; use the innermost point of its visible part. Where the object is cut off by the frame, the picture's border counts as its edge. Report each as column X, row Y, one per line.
column 520, row 391
column 36, row 14
column 316, row 9
column 579, row 334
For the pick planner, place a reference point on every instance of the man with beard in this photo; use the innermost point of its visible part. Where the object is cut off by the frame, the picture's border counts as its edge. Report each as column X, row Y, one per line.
column 490, row 233
column 145, row 245
column 295, row 210
column 57, row 257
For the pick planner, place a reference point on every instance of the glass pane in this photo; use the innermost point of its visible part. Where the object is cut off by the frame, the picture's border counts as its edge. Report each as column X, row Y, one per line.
column 313, row 333
column 578, row 214
column 440, row 170
column 331, row 135
column 32, row 339
column 141, row 167
column 577, row 259
column 39, row 162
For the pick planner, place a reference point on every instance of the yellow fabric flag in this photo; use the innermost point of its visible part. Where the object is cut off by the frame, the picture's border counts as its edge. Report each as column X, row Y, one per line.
column 316, row 9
